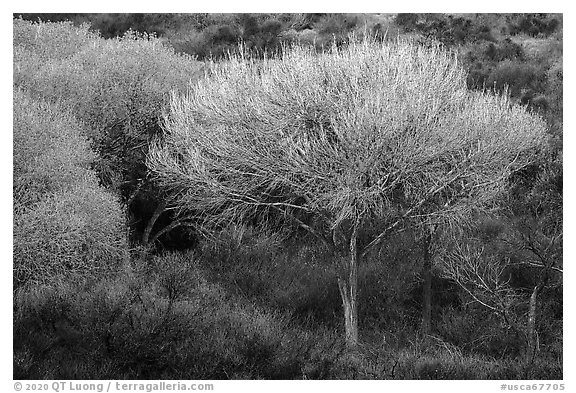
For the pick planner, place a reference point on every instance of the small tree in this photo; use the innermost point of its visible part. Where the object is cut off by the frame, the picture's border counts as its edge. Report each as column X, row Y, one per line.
column 348, row 145
column 485, row 270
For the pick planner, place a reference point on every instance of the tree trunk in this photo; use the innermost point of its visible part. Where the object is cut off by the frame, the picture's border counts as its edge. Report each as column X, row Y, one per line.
column 159, row 210
column 349, row 302
column 427, row 293
column 532, row 334
column 348, row 286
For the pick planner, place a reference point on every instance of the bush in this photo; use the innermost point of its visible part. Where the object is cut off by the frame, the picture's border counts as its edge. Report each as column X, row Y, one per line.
column 51, row 154
column 64, row 222
column 336, row 24
column 129, row 328
column 51, row 41
column 74, row 231
column 517, row 76
column 534, row 24
column 287, row 275
column 116, row 88
column 505, row 50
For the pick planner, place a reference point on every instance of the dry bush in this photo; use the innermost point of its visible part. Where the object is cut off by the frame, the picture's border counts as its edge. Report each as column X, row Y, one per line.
column 74, row 231
column 50, row 152
column 51, row 41
column 116, row 87
column 64, row 222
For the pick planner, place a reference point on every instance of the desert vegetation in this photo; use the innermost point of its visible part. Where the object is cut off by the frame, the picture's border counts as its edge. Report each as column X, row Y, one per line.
column 287, row 196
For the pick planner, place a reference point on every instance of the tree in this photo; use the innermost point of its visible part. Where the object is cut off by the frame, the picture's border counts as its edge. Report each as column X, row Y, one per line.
column 486, row 270
column 348, row 145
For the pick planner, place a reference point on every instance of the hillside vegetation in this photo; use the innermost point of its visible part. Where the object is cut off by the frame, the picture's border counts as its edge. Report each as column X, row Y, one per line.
column 186, row 207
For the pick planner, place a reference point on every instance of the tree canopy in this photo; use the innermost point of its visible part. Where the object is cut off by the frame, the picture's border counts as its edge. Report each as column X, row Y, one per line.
column 372, row 130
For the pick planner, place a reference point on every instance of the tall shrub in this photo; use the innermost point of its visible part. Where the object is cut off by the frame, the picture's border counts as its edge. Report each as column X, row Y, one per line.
column 116, row 87
column 64, row 221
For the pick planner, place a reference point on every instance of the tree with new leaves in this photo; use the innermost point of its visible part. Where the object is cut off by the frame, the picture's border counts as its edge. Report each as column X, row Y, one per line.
column 348, row 145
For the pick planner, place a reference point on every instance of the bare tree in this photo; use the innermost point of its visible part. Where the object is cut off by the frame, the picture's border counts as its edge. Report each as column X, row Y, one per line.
column 485, row 275
column 370, row 135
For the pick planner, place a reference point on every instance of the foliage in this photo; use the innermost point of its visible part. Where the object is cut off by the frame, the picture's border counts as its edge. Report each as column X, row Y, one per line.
column 50, row 41
column 517, row 77
column 342, row 136
column 259, row 300
column 214, row 35
column 64, row 222
column 534, row 24
column 448, row 29
column 127, row 327
column 132, row 327
column 116, row 88
column 77, row 231
column 555, row 77
column 50, row 152
column 113, row 25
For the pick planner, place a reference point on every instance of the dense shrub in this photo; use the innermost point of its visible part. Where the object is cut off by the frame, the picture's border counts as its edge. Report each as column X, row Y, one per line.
column 506, row 49
column 333, row 24
column 64, row 222
column 130, row 327
column 534, row 24
column 555, row 78
column 114, row 25
column 518, row 77
column 75, row 231
column 248, row 303
column 116, row 88
column 51, row 41
column 448, row 29
column 214, row 36
column 291, row 276
column 51, row 153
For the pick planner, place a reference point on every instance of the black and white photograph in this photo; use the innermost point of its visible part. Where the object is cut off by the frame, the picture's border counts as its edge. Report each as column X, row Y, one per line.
column 287, row 196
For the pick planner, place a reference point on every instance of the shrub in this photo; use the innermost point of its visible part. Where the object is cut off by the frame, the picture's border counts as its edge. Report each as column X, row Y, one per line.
column 517, row 76
column 407, row 21
column 534, row 24
column 478, row 332
column 505, row 50
column 64, row 222
column 128, row 328
column 116, row 88
column 75, row 231
column 51, row 41
column 261, row 266
column 51, row 153
column 336, row 24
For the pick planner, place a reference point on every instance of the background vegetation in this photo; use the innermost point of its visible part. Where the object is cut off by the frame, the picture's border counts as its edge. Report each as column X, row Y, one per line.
column 110, row 283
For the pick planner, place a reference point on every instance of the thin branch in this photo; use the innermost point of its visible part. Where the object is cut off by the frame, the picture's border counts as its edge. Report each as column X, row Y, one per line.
column 433, row 192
